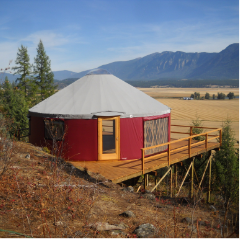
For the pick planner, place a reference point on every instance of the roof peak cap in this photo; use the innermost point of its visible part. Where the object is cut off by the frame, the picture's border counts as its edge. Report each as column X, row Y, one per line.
column 98, row 71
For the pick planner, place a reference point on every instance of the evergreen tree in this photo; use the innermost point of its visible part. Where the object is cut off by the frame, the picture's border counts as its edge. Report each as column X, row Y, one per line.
column 43, row 74
column 23, row 68
column 226, row 166
column 14, row 106
column 197, row 123
column 196, row 95
column 221, row 96
column 230, row 95
column 207, row 96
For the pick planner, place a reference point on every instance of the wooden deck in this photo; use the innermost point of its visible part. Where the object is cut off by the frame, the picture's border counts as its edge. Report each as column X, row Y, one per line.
column 178, row 150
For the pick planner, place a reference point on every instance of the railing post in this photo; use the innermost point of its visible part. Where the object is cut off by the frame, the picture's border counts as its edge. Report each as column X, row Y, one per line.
column 189, row 147
column 206, row 142
column 191, row 130
column 142, row 161
column 169, row 149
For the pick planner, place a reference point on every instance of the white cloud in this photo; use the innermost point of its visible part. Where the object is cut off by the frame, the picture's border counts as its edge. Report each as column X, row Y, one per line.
column 49, row 38
column 8, row 53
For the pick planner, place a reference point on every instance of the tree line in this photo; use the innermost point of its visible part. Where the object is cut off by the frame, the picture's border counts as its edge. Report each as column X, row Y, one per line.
column 34, row 84
column 184, row 83
column 219, row 96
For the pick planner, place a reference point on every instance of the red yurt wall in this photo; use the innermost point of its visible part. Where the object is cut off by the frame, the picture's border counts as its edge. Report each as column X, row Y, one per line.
column 132, row 135
column 131, row 138
column 81, row 140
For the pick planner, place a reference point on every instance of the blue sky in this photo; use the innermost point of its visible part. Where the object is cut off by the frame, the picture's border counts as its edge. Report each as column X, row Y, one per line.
column 80, row 35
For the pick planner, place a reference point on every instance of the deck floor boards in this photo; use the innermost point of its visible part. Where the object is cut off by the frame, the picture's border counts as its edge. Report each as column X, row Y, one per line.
column 121, row 170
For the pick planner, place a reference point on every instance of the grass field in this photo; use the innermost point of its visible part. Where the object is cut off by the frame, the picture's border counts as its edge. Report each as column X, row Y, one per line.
column 212, row 112
column 186, row 92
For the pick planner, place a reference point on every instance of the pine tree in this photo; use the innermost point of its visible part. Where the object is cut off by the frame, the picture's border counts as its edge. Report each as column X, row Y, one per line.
column 226, row 166
column 14, row 106
column 23, row 68
column 230, row 95
column 43, row 74
column 207, row 96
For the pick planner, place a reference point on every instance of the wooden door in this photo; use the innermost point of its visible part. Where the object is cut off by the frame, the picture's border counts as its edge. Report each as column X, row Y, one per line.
column 108, row 138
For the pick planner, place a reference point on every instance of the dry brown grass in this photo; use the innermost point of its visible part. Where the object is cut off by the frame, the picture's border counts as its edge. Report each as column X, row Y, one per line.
column 32, row 203
column 212, row 112
column 185, row 92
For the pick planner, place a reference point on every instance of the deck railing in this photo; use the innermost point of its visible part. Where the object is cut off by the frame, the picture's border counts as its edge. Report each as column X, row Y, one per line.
column 205, row 138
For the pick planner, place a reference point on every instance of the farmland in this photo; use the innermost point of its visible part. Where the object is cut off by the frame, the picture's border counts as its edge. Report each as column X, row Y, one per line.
column 186, row 92
column 212, row 112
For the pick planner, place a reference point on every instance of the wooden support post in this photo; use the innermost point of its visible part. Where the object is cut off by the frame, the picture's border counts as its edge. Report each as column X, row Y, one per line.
column 169, row 149
column 144, row 182
column 189, row 147
column 184, row 178
column 161, row 179
column 191, row 130
column 139, row 188
column 203, row 176
column 209, row 182
column 146, row 179
column 192, row 178
column 171, row 186
column 155, row 179
column 142, row 161
column 196, row 175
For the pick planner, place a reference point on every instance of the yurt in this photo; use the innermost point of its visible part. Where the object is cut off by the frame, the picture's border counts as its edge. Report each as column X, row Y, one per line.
column 100, row 117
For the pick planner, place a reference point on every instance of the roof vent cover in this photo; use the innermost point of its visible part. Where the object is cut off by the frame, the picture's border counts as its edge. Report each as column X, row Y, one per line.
column 98, row 71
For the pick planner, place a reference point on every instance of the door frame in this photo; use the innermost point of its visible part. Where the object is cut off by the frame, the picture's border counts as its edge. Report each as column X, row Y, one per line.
column 112, row 156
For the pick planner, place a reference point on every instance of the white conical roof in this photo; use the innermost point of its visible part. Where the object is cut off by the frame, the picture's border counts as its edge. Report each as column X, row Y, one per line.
column 98, row 95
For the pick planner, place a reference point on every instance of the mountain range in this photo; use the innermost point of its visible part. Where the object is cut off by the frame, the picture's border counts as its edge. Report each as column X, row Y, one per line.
column 170, row 65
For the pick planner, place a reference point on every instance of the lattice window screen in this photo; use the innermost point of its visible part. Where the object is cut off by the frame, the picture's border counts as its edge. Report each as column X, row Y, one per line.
column 155, row 132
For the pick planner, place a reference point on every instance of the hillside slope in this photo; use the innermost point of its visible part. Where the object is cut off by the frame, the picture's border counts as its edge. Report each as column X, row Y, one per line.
column 224, row 64
column 41, row 196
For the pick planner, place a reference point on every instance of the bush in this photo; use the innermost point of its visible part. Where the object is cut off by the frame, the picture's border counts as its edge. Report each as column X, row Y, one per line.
column 197, row 123
column 6, row 145
column 226, row 166
column 45, row 149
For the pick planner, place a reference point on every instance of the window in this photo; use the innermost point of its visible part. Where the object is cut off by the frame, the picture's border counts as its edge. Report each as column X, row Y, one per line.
column 155, row 132
column 54, row 129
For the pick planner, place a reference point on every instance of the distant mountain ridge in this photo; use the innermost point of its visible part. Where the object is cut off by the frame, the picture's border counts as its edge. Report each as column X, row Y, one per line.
column 178, row 65
column 61, row 75
column 169, row 65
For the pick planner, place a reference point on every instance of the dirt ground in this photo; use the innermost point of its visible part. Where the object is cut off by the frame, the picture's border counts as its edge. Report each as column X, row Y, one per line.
column 40, row 199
